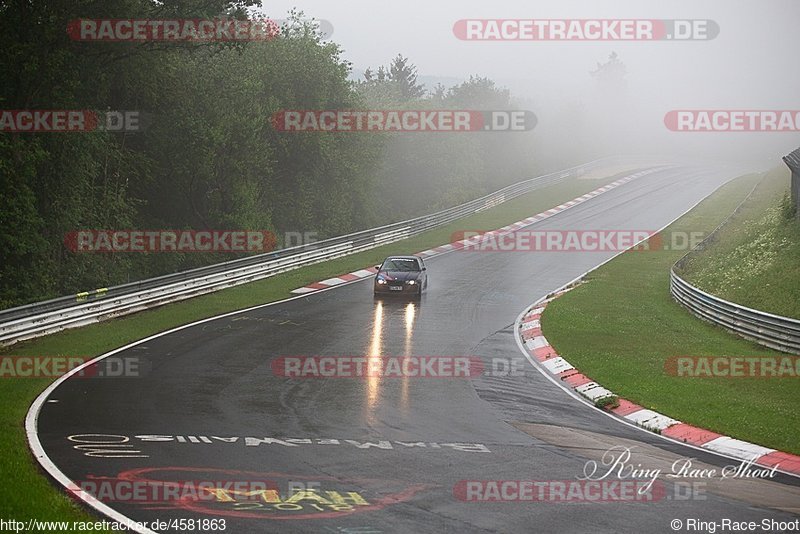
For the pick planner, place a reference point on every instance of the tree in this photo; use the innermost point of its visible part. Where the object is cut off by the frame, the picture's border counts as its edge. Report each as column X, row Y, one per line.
column 611, row 75
column 479, row 93
column 404, row 75
column 392, row 86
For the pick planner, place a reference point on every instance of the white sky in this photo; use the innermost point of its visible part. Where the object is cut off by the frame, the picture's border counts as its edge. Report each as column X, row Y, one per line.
column 756, row 39
column 752, row 63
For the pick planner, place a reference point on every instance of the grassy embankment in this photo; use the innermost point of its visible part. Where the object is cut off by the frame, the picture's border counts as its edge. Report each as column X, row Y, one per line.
column 621, row 326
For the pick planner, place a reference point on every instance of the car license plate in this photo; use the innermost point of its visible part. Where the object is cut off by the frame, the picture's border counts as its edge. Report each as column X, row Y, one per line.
column 395, row 288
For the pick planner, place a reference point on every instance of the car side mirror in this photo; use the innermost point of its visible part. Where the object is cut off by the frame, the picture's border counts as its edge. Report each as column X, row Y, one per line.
column 424, row 268
column 378, row 267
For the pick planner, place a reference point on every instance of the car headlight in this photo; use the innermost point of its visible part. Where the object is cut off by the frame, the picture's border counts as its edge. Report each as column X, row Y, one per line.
column 380, row 280
column 411, row 282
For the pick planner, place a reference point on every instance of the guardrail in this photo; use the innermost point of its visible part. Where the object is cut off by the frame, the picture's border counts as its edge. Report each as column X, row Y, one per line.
column 41, row 318
column 773, row 331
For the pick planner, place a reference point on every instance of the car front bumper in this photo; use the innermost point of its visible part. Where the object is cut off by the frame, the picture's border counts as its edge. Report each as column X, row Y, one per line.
column 402, row 288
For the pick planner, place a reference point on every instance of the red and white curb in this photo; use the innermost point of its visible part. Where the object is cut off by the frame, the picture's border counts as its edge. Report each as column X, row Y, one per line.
column 460, row 244
column 338, row 280
column 530, row 332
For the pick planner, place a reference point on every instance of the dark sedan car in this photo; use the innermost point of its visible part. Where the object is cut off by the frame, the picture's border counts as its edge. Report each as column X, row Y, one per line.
column 403, row 275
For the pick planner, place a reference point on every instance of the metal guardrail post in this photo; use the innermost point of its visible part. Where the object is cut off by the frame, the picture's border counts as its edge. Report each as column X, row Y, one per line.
column 792, row 161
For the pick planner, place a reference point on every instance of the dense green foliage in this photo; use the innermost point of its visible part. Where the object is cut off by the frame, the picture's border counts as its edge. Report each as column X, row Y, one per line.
column 209, row 157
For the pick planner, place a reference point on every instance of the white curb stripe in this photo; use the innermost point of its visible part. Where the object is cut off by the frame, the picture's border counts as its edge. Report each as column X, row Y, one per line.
column 593, row 391
column 651, row 420
column 557, row 365
column 301, row 290
column 332, row 282
column 739, row 449
column 537, row 342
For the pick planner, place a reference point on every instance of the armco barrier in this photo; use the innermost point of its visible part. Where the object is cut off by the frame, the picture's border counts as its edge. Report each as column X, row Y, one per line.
column 774, row 331
column 51, row 316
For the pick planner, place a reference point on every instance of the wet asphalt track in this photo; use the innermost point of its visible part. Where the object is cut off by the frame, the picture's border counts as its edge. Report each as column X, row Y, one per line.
column 214, row 382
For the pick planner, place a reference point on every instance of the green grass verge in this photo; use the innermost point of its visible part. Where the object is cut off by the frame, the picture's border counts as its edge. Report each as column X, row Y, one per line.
column 621, row 326
column 756, row 259
column 27, row 494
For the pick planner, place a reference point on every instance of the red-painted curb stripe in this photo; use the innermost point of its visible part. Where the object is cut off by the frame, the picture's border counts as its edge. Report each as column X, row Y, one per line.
column 784, row 461
column 626, row 407
column 574, row 378
column 544, row 353
column 690, row 434
column 531, row 333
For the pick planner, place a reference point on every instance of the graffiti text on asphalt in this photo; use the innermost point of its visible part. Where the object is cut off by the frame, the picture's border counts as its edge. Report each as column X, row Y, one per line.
column 116, row 445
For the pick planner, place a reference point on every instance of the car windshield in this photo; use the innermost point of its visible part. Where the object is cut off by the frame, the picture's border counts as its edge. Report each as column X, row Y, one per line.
column 397, row 264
